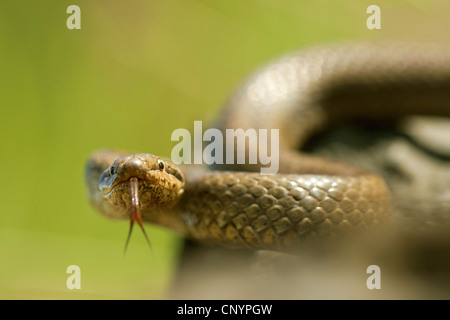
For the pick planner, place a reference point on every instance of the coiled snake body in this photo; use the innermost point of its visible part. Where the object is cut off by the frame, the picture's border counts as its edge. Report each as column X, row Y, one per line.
column 299, row 94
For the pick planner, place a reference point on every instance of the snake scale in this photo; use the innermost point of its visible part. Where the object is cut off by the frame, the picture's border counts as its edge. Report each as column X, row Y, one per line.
column 300, row 94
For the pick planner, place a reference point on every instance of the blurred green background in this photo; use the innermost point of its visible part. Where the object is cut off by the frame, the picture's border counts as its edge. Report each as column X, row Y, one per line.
column 135, row 71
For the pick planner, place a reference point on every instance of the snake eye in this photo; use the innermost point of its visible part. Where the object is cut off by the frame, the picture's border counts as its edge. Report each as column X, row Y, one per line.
column 161, row 165
column 112, row 170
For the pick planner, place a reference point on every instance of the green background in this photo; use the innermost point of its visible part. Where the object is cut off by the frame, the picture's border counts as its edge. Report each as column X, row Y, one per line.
column 136, row 71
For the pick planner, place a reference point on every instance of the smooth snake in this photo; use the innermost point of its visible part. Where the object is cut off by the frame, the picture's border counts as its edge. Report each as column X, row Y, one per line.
column 310, row 197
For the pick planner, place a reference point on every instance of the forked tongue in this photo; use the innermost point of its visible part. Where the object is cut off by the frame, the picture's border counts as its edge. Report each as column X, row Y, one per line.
column 135, row 214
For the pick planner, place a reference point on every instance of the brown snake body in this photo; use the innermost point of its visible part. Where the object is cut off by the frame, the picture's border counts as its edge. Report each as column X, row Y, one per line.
column 299, row 94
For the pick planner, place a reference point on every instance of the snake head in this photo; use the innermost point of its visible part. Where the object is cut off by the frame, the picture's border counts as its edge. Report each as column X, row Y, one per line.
column 159, row 182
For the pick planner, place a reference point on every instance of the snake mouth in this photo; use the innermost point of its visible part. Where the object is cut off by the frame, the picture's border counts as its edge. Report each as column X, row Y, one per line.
column 135, row 212
column 131, row 186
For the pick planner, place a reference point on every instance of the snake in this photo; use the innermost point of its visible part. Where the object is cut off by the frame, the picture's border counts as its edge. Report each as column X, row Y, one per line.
column 300, row 94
